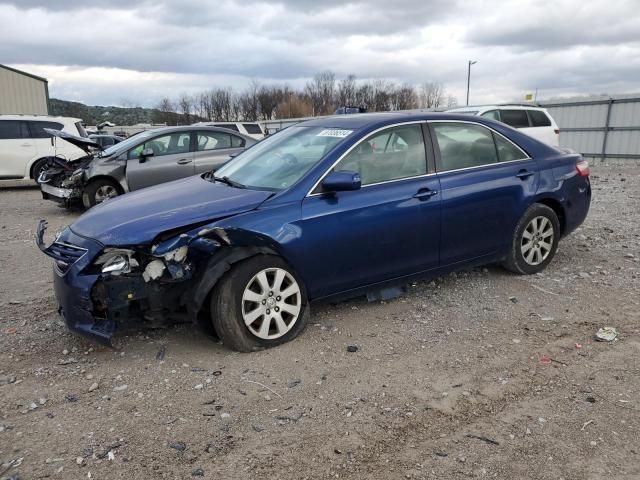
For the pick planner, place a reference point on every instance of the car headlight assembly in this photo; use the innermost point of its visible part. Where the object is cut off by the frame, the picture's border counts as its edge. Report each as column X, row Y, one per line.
column 117, row 261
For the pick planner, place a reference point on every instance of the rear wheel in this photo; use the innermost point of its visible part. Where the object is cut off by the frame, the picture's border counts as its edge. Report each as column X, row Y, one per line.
column 98, row 191
column 259, row 304
column 535, row 241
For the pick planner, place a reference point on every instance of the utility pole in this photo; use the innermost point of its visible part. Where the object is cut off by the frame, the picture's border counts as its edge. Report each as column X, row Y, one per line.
column 471, row 62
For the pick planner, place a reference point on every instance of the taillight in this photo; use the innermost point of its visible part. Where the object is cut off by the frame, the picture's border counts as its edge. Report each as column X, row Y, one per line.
column 556, row 131
column 583, row 168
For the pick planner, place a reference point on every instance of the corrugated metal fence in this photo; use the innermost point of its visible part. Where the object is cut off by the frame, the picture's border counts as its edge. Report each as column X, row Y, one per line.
column 601, row 127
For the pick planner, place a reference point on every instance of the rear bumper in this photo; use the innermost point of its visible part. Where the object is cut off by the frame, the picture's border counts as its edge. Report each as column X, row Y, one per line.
column 577, row 203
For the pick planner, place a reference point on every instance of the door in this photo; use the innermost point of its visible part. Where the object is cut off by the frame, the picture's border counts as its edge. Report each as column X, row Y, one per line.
column 387, row 229
column 486, row 182
column 17, row 150
column 214, row 149
column 172, row 158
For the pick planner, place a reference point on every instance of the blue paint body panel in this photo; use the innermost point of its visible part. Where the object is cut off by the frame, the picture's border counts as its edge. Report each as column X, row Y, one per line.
column 351, row 241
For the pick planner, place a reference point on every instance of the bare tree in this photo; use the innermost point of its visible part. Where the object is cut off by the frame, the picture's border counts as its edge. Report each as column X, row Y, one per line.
column 185, row 106
column 320, row 91
column 346, row 92
column 268, row 100
column 404, row 98
column 452, row 101
column 432, row 95
column 165, row 111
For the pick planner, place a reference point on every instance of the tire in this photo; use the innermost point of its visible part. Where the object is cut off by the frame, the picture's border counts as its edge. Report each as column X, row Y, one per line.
column 239, row 295
column 98, row 191
column 531, row 251
column 36, row 168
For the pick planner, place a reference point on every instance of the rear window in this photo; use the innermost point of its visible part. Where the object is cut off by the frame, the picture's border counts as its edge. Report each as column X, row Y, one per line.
column 252, row 128
column 515, row 118
column 11, row 129
column 539, row 118
column 37, row 128
column 229, row 126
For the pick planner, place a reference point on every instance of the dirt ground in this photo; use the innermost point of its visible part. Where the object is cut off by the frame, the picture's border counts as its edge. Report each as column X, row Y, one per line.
column 447, row 381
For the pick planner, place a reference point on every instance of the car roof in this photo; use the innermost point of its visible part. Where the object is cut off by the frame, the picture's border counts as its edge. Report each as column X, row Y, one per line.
column 514, row 106
column 196, row 127
column 366, row 120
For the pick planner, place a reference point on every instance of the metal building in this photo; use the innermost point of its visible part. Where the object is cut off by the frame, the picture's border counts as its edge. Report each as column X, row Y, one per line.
column 23, row 93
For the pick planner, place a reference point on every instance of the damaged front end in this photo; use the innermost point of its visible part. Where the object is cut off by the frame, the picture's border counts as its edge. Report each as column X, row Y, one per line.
column 61, row 180
column 100, row 289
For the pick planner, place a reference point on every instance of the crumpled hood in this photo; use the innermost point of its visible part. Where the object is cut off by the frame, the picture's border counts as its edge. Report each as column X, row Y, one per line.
column 138, row 217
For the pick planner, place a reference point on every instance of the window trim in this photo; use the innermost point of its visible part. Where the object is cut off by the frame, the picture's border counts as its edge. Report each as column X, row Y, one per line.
column 374, row 132
column 531, row 122
column 482, row 115
column 436, row 147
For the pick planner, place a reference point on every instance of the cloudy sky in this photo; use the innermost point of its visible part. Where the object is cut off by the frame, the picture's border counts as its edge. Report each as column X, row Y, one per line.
column 136, row 51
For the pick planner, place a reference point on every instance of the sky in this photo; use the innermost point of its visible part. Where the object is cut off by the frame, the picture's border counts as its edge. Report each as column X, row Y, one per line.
column 124, row 52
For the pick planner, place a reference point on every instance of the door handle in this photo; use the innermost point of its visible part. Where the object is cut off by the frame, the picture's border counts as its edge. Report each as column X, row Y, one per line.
column 184, row 161
column 425, row 194
column 524, row 174
column 25, row 144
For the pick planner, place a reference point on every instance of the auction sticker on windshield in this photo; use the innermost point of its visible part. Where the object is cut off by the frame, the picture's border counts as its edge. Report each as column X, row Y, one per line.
column 334, row 132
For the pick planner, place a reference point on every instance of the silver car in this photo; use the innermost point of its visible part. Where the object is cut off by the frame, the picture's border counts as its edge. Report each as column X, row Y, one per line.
column 148, row 158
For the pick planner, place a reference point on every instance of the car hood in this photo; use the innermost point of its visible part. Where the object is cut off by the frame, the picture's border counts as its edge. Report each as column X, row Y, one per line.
column 85, row 144
column 138, row 217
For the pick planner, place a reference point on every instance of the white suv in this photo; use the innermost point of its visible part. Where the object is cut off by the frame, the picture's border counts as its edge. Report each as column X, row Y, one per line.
column 24, row 145
column 533, row 121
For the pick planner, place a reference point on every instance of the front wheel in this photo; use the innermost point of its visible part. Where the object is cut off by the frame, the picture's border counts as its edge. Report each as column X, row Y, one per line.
column 259, row 304
column 535, row 241
column 98, row 191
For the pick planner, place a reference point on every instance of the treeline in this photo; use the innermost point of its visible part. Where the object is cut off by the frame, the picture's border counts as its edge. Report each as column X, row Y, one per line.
column 320, row 96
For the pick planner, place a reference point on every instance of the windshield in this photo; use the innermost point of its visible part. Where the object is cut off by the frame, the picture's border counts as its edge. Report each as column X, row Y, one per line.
column 128, row 143
column 281, row 160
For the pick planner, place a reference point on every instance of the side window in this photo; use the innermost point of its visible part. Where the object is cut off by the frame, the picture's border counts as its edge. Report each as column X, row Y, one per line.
column 492, row 114
column 213, row 141
column 37, row 128
column 252, row 128
column 12, row 129
column 539, row 118
column 464, row 145
column 507, row 151
column 515, row 118
column 171, row 144
column 228, row 126
column 395, row 153
column 237, row 142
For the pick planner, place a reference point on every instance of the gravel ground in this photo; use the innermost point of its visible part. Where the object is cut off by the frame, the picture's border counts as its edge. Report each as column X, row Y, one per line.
column 447, row 381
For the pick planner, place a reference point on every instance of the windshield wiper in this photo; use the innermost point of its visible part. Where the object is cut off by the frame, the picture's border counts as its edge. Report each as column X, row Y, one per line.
column 228, row 181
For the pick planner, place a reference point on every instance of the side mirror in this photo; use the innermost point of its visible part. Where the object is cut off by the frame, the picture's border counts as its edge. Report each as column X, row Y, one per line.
column 344, row 180
column 144, row 154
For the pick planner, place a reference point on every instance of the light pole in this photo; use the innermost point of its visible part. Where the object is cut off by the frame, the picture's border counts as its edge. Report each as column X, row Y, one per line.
column 471, row 62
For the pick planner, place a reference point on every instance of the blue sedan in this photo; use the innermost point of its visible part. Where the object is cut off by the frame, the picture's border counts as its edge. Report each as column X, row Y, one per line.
column 328, row 209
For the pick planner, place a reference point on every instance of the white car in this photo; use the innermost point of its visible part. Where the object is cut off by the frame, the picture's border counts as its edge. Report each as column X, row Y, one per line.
column 25, row 146
column 534, row 121
column 253, row 129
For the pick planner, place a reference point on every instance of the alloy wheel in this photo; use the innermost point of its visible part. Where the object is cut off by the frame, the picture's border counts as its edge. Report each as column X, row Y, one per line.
column 104, row 192
column 271, row 303
column 537, row 240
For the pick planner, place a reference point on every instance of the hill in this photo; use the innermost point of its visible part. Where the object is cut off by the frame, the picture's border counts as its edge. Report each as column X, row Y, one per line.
column 93, row 115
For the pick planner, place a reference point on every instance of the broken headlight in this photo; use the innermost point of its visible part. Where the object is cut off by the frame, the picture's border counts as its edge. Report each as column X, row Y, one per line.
column 117, row 261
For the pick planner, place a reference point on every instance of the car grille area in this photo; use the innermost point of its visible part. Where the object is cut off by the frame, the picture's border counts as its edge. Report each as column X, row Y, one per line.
column 65, row 255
